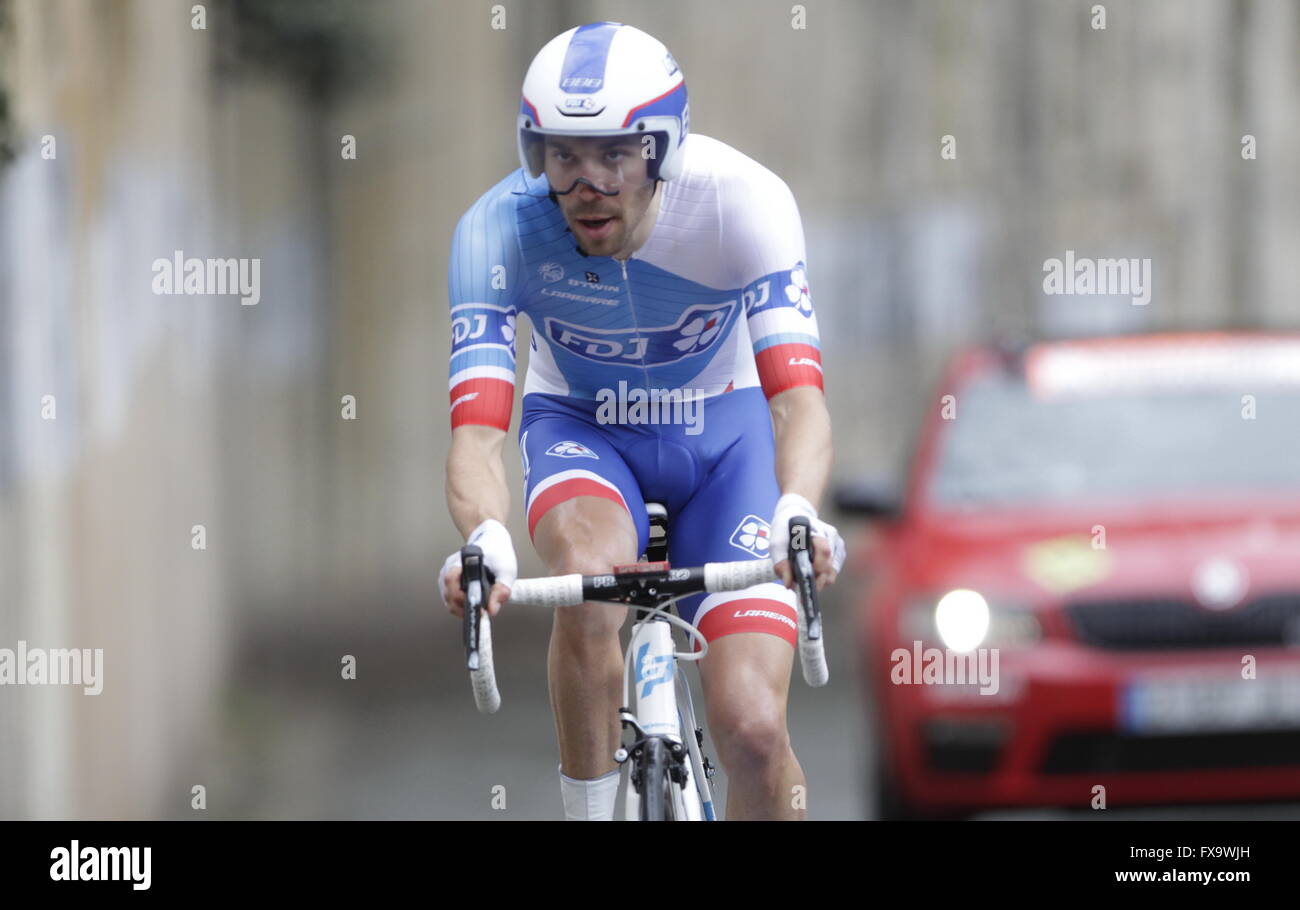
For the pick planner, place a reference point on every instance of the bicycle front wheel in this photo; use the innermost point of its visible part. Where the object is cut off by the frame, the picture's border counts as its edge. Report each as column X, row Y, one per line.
column 656, row 798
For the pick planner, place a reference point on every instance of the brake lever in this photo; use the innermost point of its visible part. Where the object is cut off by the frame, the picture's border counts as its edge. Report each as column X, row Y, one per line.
column 475, row 577
column 805, row 579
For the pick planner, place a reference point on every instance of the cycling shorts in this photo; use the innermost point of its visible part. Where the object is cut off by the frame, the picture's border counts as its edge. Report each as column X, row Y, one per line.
column 716, row 476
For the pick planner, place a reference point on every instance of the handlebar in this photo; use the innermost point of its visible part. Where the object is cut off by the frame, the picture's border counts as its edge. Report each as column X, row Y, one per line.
column 647, row 584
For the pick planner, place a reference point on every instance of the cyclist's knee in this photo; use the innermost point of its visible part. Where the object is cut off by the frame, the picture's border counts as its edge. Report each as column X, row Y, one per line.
column 586, row 535
column 589, row 558
column 590, row 629
column 750, row 732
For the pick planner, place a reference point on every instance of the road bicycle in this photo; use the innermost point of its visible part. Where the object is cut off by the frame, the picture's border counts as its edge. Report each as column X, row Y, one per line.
column 668, row 774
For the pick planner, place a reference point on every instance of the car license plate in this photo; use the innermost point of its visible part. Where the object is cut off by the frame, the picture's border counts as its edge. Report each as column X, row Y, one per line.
column 1156, row 705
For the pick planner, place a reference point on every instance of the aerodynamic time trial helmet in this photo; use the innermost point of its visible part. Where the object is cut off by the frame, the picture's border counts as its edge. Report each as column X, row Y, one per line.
column 605, row 79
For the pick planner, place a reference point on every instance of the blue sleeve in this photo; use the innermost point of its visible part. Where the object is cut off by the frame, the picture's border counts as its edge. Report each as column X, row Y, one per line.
column 483, row 279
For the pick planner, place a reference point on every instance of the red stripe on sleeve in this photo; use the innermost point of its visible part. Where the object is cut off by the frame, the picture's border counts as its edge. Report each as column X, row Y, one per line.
column 784, row 366
column 482, row 401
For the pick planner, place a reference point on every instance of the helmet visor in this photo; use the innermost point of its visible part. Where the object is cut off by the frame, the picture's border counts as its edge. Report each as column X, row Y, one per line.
column 608, row 164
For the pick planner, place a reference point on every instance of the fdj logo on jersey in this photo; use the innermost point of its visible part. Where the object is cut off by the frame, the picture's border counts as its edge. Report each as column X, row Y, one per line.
column 695, row 331
column 651, row 670
column 471, row 322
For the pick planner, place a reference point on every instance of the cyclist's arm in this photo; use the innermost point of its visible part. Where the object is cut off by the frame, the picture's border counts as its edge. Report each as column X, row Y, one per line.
column 476, row 492
column 482, row 277
column 802, row 426
column 767, row 235
column 767, row 238
column 476, row 477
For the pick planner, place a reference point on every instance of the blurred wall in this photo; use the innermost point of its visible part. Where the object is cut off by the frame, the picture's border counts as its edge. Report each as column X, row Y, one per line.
column 99, row 501
column 179, row 411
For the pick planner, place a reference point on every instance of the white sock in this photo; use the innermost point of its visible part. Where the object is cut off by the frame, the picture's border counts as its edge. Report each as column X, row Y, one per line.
column 589, row 800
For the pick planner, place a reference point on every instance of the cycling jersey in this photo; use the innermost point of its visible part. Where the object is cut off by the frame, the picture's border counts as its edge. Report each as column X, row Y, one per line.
column 714, row 304
column 716, row 298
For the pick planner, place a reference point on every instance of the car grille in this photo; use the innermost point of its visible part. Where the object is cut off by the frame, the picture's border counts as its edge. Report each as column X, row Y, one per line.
column 1103, row 751
column 1166, row 624
column 966, row 746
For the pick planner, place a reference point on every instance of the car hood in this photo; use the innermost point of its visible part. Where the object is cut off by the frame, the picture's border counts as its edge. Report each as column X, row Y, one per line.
column 1214, row 553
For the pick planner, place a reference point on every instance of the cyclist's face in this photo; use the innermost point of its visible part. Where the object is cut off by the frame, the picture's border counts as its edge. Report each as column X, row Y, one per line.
column 602, row 223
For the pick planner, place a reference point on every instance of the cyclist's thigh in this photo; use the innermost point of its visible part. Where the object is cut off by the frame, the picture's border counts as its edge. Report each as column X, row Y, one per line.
column 578, row 489
column 727, row 519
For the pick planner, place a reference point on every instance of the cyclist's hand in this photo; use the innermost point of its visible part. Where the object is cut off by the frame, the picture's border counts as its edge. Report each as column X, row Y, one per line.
column 827, row 546
column 498, row 555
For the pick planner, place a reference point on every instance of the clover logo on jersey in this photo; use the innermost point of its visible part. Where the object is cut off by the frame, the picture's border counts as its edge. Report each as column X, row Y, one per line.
column 571, row 449
column 752, row 535
column 551, row 271
column 695, row 331
column 508, row 329
column 791, row 291
column 698, row 333
column 797, row 291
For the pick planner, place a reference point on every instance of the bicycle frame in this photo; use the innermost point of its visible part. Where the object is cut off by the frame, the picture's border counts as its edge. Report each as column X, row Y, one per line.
column 663, row 708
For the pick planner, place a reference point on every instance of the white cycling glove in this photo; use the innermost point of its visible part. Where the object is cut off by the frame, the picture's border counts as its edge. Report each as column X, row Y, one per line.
column 498, row 555
column 789, row 506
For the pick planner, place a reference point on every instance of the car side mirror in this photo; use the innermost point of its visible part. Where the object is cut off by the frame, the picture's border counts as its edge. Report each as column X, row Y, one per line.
column 871, row 499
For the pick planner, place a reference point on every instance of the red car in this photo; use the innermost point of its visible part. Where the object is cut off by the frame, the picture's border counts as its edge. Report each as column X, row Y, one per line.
column 1091, row 594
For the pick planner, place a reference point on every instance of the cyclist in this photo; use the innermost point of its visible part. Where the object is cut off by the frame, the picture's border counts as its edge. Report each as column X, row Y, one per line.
column 654, row 265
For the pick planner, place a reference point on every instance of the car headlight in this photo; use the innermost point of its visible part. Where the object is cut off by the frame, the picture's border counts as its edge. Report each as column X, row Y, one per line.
column 963, row 620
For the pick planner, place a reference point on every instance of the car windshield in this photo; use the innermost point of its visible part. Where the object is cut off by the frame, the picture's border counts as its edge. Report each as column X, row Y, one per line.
column 1007, row 448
